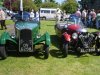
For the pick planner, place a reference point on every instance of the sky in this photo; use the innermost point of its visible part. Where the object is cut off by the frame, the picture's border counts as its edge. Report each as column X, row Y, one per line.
column 59, row 1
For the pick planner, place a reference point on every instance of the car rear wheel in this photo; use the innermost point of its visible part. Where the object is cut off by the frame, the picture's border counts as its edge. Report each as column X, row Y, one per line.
column 3, row 54
column 65, row 49
column 46, row 51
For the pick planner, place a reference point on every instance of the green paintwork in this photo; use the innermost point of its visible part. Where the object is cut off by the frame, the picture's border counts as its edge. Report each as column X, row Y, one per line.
column 5, row 36
column 45, row 37
column 26, row 24
column 34, row 26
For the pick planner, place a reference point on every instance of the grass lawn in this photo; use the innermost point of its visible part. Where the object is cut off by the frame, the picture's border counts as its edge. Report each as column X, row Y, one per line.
column 54, row 65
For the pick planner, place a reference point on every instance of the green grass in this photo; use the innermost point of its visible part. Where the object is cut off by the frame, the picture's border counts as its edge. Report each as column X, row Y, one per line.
column 7, row 22
column 54, row 65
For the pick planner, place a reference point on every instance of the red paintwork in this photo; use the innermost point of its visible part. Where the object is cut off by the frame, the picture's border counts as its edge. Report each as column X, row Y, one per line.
column 73, row 27
column 67, row 36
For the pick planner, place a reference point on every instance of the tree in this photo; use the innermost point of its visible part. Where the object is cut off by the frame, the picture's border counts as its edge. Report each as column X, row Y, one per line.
column 69, row 6
column 46, row 1
column 52, row 1
column 38, row 2
column 49, row 5
column 14, row 4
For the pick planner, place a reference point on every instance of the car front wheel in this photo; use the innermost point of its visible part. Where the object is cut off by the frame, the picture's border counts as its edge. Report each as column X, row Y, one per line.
column 46, row 51
column 97, row 47
column 65, row 49
column 3, row 54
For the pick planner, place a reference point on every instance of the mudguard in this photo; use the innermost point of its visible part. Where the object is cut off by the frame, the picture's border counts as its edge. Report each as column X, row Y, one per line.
column 5, row 36
column 45, row 37
column 67, row 37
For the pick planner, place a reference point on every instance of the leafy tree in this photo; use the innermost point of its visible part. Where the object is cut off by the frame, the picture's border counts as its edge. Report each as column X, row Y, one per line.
column 49, row 5
column 52, row 1
column 69, row 6
column 15, row 4
column 38, row 2
column 46, row 0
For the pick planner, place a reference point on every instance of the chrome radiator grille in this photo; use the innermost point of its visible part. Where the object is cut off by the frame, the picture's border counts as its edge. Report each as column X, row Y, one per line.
column 25, row 41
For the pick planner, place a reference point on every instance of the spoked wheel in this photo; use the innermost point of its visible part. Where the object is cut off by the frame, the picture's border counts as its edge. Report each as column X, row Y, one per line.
column 46, row 51
column 3, row 54
column 65, row 49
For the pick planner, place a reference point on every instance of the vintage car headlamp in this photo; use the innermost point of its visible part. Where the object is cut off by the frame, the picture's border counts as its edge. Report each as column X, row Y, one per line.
column 38, row 36
column 65, row 26
column 74, row 35
column 12, row 35
column 99, row 35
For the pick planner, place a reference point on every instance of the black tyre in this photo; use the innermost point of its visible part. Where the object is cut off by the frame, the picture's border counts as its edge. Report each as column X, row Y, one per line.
column 97, row 47
column 97, row 51
column 3, row 54
column 78, row 52
column 46, row 51
column 65, row 49
column 43, row 18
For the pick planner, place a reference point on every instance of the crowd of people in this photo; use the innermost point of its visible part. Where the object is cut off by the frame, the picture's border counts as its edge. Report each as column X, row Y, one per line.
column 26, row 16
column 89, row 17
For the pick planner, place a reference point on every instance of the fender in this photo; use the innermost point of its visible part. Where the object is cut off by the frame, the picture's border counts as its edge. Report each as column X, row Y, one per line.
column 5, row 36
column 45, row 37
column 67, row 37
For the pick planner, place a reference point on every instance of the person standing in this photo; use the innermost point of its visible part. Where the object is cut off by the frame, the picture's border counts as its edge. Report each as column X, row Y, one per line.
column 93, row 17
column 2, row 19
column 58, row 14
column 84, row 13
column 32, row 14
column 98, row 20
column 78, row 13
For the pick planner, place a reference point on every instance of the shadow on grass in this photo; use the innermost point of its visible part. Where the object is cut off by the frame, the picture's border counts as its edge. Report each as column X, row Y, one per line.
column 59, row 54
column 17, row 54
column 55, row 41
column 36, row 54
column 39, row 55
column 56, row 53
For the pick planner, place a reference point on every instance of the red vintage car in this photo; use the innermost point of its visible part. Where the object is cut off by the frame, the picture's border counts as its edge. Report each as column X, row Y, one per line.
column 73, row 35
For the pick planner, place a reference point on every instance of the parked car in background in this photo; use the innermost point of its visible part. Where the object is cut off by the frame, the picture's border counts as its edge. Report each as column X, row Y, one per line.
column 8, row 12
column 48, row 13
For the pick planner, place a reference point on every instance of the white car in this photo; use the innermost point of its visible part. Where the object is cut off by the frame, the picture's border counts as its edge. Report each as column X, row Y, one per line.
column 47, row 13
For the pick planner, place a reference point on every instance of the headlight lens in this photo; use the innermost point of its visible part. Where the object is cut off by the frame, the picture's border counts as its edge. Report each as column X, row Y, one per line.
column 74, row 35
column 99, row 36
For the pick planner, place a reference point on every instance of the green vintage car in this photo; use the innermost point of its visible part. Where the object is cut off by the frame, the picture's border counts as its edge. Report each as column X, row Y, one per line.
column 26, row 37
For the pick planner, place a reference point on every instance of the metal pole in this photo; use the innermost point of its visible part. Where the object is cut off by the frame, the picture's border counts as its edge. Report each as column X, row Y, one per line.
column 21, row 5
column 21, row 8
